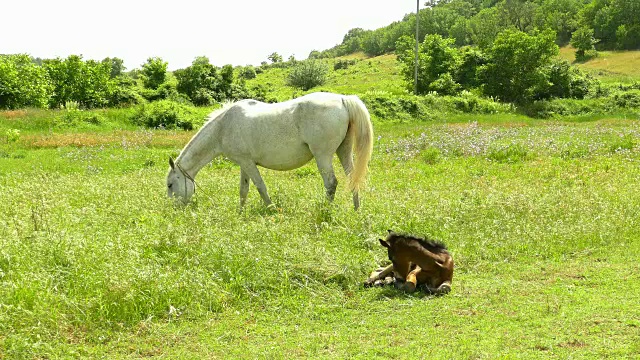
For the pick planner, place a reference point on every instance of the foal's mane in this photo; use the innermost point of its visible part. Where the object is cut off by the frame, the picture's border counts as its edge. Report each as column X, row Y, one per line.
column 429, row 244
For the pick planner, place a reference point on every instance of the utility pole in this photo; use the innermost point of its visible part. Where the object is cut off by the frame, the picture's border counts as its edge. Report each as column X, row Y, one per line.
column 415, row 72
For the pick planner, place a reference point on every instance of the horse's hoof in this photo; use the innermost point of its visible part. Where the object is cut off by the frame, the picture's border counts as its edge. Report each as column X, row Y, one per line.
column 389, row 280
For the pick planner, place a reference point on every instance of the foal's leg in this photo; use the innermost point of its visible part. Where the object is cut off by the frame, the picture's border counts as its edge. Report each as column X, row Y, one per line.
column 325, row 166
column 251, row 170
column 378, row 275
column 244, row 187
column 345, row 151
column 411, row 280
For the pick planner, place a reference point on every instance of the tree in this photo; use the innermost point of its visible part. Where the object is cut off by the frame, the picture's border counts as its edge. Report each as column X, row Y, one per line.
column 73, row 79
column 275, row 57
column 247, row 72
column 560, row 16
column 517, row 13
column 199, row 82
column 582, row 39
column 516, row 66
column 484, row 27
column 353, row 40
column 116, row 65
column 23, row 83
column 437, row 57
column 154, row 72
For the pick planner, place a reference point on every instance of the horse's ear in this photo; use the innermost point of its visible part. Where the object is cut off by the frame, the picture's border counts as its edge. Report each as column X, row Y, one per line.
column 390, row 231
column 173, row 166
column 384, row 243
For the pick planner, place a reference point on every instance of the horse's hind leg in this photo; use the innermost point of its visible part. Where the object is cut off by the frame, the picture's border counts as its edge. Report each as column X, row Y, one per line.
column 325, row 166
column 251, row 170
column 244, row 187
column 345, row 154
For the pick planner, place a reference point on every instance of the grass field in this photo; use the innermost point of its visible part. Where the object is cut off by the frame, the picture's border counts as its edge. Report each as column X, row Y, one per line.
column 540, row 216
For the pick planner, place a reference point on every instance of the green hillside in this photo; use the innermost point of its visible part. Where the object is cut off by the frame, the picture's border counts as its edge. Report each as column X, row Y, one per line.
column 382, row 73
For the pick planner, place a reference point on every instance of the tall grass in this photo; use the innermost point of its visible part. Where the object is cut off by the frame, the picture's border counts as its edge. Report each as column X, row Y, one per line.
column 541, row 219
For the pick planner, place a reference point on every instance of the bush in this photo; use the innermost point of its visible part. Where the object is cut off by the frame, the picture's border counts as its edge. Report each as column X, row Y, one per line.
column 568, row 82
column 248, row 72
column 166, row 114
column 445, row 85
column 75, row 117
column 564, row 107
column 308, row 74
column 509, row 153
column 627, row 100
column 343, row 64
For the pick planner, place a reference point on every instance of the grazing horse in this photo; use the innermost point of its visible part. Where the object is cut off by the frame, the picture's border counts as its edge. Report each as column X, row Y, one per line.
column 416, row 261
column 281, row 136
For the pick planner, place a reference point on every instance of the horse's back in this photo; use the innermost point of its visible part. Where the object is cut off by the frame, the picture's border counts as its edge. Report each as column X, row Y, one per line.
column 284, row 136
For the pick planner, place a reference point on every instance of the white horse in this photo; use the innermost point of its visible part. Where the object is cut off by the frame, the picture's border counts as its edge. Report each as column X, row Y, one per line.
column 282, row 136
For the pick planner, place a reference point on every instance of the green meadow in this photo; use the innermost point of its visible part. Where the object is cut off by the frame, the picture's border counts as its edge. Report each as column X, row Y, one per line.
column 542, row 219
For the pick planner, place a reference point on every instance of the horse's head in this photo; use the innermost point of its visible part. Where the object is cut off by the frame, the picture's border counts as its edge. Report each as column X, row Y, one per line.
column 179, row 184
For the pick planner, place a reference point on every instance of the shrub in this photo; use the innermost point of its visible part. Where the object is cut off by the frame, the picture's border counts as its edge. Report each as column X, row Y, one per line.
column 568, row 81
column 308, row 74
column 509, row 153
column 431, row 155
column 445, row 85
column 248, row 72
column 564, row 107
column 166, row 114
column 628, row 99
column 622, row 143
column 343, row 64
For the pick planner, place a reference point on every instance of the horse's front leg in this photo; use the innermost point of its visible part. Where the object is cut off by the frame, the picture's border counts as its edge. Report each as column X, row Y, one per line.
column 244, row 187
column 250, row 169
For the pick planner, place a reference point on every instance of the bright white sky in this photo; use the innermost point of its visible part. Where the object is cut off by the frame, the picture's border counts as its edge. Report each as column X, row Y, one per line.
column 228, row 32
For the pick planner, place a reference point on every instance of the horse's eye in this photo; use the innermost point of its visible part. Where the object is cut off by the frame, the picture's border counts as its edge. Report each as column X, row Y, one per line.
column 169, row 186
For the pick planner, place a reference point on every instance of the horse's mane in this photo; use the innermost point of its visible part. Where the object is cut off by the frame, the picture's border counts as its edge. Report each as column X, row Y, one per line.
column 427, row 243
column 211, row 118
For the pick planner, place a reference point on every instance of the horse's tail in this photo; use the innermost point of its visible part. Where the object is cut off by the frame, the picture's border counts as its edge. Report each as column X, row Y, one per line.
column 360, row 125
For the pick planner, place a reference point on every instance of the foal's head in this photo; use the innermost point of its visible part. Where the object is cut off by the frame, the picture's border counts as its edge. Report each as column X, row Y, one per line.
column 179, row 183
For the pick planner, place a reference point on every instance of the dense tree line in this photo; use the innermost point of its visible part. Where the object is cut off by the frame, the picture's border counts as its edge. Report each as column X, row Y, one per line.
column 614, row 24
column 518, row 67
column 54, row 83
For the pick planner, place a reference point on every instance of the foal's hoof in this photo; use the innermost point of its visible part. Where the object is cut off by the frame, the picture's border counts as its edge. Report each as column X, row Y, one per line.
column 443, row 289
column 409, row 287
column 369, row 282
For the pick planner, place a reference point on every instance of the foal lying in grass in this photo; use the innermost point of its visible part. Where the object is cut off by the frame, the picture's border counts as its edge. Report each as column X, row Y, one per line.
column 416, row 261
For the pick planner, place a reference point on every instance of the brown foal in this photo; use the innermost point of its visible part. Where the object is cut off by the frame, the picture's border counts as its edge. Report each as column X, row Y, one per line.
column 417, row 261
